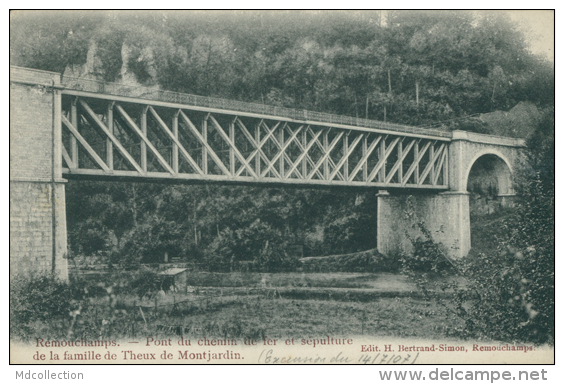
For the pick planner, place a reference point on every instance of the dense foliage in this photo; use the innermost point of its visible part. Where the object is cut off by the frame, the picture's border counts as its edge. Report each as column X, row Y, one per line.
column 217, row 227
column 38, row 299
column 520, row 276
column 411, row 67
column 509, row 292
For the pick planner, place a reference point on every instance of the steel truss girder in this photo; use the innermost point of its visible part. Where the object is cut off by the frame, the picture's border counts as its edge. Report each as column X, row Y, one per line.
column 104, row 138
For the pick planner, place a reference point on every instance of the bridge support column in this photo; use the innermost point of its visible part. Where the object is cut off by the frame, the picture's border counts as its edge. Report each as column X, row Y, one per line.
column 38, row 233
column 402, row 218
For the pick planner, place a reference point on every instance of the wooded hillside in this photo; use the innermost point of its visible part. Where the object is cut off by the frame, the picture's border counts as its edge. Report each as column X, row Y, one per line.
column 412, row 67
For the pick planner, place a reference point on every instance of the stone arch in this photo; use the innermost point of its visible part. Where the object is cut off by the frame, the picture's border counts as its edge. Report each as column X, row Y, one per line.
column 492, row 165
column 489, row 183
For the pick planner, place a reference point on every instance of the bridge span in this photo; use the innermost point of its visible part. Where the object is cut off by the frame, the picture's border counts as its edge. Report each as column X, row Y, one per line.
column 63, row 128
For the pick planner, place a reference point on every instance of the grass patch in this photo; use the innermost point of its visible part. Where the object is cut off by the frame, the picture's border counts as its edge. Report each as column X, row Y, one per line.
column 390, row 317
column 366, row 261
column 250, row 305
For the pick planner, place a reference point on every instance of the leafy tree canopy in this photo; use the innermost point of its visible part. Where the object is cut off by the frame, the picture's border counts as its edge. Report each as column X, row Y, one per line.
column 415, row 67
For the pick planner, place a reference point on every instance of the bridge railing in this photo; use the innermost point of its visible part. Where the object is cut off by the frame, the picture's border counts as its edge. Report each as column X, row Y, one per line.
column 148, row 93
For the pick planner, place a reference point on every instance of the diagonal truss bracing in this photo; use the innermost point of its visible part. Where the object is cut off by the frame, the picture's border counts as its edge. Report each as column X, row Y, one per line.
column 136, row 138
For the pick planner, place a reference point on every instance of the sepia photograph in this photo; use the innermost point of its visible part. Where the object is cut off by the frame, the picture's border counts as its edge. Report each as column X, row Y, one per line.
column 282, row 187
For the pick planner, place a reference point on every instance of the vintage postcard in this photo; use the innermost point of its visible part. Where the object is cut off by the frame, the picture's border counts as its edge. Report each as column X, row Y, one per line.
column 281, row 187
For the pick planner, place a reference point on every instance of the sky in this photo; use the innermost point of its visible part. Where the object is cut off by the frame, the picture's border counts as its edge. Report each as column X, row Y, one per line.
column 540, row 34
column 538, row 26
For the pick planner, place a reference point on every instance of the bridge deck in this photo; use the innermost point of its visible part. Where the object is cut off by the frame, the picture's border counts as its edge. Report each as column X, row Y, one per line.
column 114, row 130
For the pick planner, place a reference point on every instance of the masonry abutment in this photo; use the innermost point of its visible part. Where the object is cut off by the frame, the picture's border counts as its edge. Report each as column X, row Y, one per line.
column 402, row 218
column 446, row 215
column 38, row 234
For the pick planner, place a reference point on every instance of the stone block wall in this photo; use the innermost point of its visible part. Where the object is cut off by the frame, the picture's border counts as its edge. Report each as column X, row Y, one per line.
column 38, row 240
column 30, row 227
column 445, row 215
column 31, row 132
column 32, row 231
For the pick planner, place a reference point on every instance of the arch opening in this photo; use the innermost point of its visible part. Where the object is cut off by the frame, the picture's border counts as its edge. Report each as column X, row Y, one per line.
column 490, row 186
column 490, row 175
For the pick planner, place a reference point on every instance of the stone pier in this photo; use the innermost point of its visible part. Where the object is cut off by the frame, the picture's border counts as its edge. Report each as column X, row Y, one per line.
column 38, row 233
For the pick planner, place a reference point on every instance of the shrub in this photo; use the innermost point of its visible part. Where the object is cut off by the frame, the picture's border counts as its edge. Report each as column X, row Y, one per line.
column 502, row 298
column 258, row 242
column 427, row 256
column 509, row 294
column 275, row 260
column 40, row 298
column 146, row 282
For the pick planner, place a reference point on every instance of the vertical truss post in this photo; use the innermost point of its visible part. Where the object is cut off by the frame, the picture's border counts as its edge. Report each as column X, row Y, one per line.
column 281, row 140
column 431, row 157
column 257, row 140
column 326, row 161
column 109, row 144
column 74, row 122
column 400, row 160
column 445, row 167
column 346, row 154
column 416, row 159
column 365, row 162
column 57, row 143
column 143, row 144
column 174, row 145
column 204, row 148
column 382, row 157
column 231, row 149
column 304, row 160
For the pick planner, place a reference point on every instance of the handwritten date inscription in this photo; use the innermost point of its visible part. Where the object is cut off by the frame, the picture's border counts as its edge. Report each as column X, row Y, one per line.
column 269, row 357
column 383, row 358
